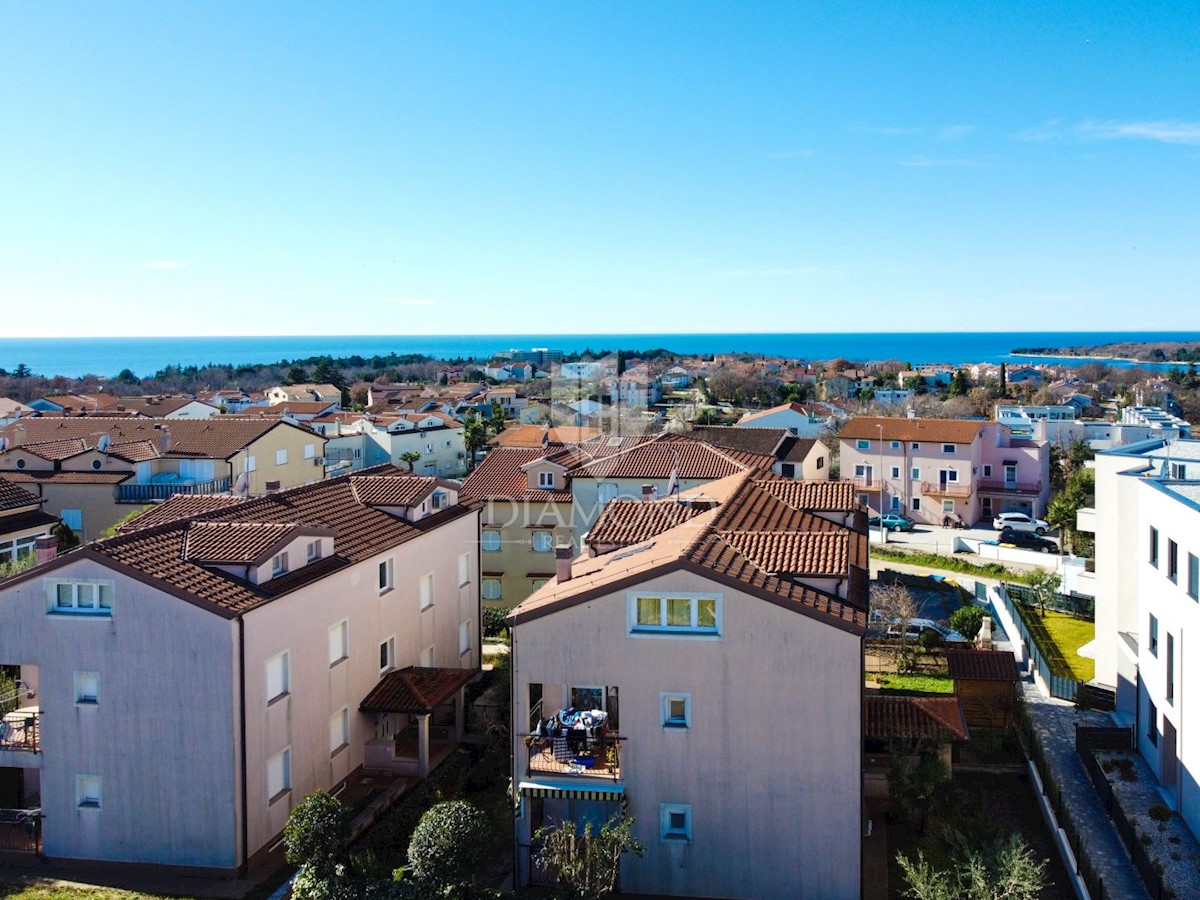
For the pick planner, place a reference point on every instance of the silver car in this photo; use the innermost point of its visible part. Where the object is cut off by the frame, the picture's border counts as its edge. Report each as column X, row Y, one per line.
column 1015, row 521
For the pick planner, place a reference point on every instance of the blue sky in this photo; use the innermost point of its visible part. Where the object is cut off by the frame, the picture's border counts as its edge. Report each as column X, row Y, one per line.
column 289, row 168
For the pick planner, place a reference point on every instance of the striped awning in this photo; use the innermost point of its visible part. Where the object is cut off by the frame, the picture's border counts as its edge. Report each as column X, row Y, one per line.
column 576, row 791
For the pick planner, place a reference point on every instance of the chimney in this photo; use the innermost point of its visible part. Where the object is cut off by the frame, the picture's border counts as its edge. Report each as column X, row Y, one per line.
column 46, row 548
column 562, row 563
column 647, row 492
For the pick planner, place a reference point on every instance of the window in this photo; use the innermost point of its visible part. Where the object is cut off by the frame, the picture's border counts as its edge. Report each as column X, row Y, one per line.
column 278, row 676
column 17, row 549
column 916, row 504
column 339, row 642
column 863, row 445
column 698, row 614
column 87, row 791
column 915, row 473
column 987, row 471
column 387, row 654
column 536, row 584
column 895, row 472
column 385, row 576
column 675, row 821
column 73, row 519
column 279, row 564
column 820, row 462
column 82, row 597
column 1152, row 723
column 1178, row 471
column 1010, row 474
column 464, row 637
column 1154, row 547
column 545, row 479
column 916, row 445
column 427, row 657
column 1193, row 586
column 251, row 464
column 87, row 687
column 1154, row 634
column 339, row 730
column 948, row 448
column 1170, row 667
column 281, row 456
column 543, row 542
column 1173, row 561
column 20, row 463
column 895, row 503
column 314, row 551
column 96, row 465
column 490, row 540
column 947, row 506
column 895, row 445
column 279, row 774
column 677, row 711
column 491, row 589
column 464, row 569
column 426, row 585
column 310, row 451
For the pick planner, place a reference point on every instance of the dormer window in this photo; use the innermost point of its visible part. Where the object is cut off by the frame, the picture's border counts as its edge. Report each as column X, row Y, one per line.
column 438, row 500
column 545, row 479
column 279, row 564
column 314, row 551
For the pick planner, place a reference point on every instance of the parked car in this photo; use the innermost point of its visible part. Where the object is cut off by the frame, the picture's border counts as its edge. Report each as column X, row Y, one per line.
column 1015, row 521
column 1028, row 541
column 893, row 522
column 917, row 626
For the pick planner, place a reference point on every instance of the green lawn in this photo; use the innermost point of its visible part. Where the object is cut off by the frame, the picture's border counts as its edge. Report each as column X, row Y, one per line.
column 1059, row 636
column 52, row 891
column 925, row 684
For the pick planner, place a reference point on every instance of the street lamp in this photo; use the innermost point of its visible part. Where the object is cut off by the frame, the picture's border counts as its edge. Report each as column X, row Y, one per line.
column 882, row 528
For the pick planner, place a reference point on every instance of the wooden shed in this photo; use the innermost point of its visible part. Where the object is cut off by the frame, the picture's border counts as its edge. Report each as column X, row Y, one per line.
column 986, row 684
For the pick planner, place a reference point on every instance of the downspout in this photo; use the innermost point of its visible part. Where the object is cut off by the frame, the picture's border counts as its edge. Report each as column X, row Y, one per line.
column 245, row 836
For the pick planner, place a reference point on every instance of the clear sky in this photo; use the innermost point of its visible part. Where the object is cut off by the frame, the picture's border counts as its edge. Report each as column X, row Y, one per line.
column 290, row 168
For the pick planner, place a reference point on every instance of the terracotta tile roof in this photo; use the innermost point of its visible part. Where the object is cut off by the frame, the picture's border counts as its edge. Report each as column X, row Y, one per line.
column 415, row 689
column 158, row 552
column 658, row 458
column 28, row 477
column 712, row 544
column 13, row 496
column 233, row 542
column 914, row 718
column 627, row 522
column 53, row 450
column 786, row 407
column 10, row 524
column 900, row 428
column 982, row 665
column 531, row 435
column 763, row 441
column 300, row 407
column 825, row 496
column 152, row 407
column 390, row 490
column 500, row 477
column 793, row 449
column 794, row 552
column 178, row 506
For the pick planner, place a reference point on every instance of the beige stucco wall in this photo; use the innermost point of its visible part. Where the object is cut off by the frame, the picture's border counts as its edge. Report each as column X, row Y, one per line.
column 295, row 472
column 516, row 558
column 770, row 764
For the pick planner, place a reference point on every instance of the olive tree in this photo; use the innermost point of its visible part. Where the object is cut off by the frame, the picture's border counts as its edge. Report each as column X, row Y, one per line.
column 586, row 864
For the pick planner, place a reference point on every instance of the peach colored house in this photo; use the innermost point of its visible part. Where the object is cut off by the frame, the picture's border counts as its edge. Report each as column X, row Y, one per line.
column 701, row 669
column 191, row 679
column 932, row 468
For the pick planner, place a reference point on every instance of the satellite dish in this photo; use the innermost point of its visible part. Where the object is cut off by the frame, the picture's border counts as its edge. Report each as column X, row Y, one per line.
column 3, row 444
column 242, row 485
column 104, row 443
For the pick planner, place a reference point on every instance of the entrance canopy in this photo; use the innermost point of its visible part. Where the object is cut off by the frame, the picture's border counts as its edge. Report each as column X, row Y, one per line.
column 415, row 689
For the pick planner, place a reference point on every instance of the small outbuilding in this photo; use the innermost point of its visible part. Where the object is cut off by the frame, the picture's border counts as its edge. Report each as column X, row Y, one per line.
column 986, row 684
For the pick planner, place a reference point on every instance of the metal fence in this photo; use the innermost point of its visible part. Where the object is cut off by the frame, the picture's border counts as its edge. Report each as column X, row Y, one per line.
column 20, row 830
column 1087, row 741
column 1074, row 604
column 1061, row 686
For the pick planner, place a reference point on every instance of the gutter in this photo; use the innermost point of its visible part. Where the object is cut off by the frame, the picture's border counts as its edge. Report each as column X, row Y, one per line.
column 245, row 835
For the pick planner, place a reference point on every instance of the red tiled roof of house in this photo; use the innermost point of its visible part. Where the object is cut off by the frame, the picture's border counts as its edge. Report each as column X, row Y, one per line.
column 178, row 506
column 292, row 407
column 982, row 665
column 665, row 454
column 532, row 435
column 386, row 490
column 792, row 552
column 814, row 495
column 763, row 441
column 901, row 428
column 914, row 718
column 13, row 496
column 233, row 542
column 627, row 522
column 500, row 477
column 30, row 477
column 416, row 690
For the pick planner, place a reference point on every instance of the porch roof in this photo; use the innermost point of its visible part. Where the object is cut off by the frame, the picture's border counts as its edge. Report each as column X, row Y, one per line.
column 415, row 689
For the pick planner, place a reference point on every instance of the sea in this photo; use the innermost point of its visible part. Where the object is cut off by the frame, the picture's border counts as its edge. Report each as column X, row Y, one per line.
column 144, row 356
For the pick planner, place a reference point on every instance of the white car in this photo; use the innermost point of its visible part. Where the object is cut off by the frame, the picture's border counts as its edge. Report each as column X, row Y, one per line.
column 1014, row 521
column 916, row 626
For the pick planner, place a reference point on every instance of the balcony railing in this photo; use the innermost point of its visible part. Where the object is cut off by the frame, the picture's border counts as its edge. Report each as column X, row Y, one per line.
column 867, row 484
column 148, row 493
column 599, row 757
column 21, row 730
column 988, row 486
column 946, row 488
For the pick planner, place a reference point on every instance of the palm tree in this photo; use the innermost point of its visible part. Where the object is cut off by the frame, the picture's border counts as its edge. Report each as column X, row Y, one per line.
column 410, row 457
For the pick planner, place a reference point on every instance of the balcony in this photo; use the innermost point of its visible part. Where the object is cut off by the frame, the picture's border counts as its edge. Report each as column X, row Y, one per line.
column 20, row 730
column 867, row 485
column 960, row 489
column 155, row 491
column 1010, row 488
column 598, row 757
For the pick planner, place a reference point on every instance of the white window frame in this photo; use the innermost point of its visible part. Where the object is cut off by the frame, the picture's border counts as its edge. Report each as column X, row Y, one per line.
column 669, row 832
column 546, row 480
column 87, row 688
column 387, row 654
column 251, row 463
column 947, row 506
column 485, row 589
column 693, row 631
column 464, row 637
column 279, row 564
column 281, row 456
column 670, row 721
column 386, row 577
column 339, row 731
column 895, row 472
column 542, row 542
column 425, row 588
column 949, row 449
column 281, row 685
column 488, row 538
column 339, row 642
column 916, row 504
column 89, row 792
column 915, row 472
column 279, row 785
column 313, row 551
column 861, row 444
column 987, row 470
column 895, row 445
column 428, row 657
column 97, row 600
column 310, row 451
column 464, row 569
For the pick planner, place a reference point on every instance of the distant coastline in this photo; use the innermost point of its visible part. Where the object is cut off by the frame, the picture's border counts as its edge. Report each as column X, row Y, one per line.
column 105, row 357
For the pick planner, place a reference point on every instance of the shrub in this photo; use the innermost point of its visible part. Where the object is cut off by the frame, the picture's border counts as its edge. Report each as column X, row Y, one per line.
column 493, row 620
column 968, row 621
column 316, row 833
column 445, row 843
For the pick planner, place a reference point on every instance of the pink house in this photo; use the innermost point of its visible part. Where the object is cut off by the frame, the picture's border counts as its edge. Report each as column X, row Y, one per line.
column 932, row 468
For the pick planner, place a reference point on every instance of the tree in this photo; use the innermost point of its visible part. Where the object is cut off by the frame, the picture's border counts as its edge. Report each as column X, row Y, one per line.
column 445, row 844
column 328, row 373
column 21, row 371
column 892, row 604
column 67, row 539
column 960, row 384
column 968, row 621
column 1044, row 584
column 919, row 781
column 296, row 375
column 410, row 457
column 316, row 833
column 474, row 436
column 1075, row 493
column 1003, row 379
column 586, row 864
column 1005, row 869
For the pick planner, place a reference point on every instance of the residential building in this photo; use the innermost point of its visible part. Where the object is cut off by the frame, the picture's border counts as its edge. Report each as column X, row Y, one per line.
column 582, row 371
column 11, row 410
column 1155, row 418
column 799, row 420
column 734, row 606
column 22, row 522
column 888, row 397
column 632, row 391
column 804, row 459
column 321, row 393
column 198, row 677
column 1021, row 419
column 1147, row 585
column 360, row 441
column 92, row 471
column 932, row 468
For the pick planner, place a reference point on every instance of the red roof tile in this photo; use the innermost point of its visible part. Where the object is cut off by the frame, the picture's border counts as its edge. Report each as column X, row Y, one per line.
column 914, row 718
column 901, row 428
column 416, row 690
column 500, row 477
column 178, row 506
column 13, row 496
column 627, row 522
column 392, row 490
column 982, row 665
column 233, row 542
